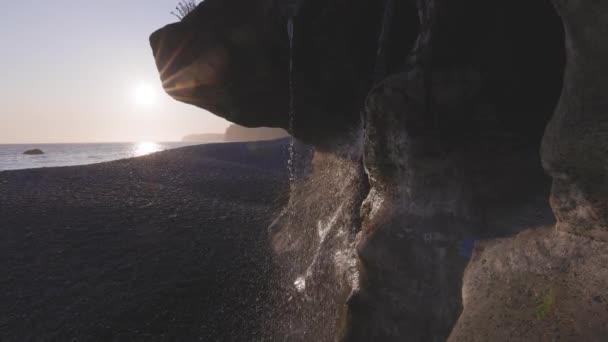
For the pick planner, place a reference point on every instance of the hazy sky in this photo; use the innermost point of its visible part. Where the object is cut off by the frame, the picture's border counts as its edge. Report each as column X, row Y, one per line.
column 70, row 70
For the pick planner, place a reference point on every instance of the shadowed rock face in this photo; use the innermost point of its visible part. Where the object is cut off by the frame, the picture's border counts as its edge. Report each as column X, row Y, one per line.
column 455, row 105
column 231, row 57
column 451, row 152
column 550, row 283
column 575, row 146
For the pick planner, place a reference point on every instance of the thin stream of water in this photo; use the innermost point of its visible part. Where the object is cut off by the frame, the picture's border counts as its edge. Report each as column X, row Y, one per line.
column 291, row 161
column 300, row 282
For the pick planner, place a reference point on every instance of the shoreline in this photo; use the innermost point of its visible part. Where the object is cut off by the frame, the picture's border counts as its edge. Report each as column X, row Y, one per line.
column 172, row 245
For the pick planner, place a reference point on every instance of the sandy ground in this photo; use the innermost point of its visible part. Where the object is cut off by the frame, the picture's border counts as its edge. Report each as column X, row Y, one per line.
column 167, row 247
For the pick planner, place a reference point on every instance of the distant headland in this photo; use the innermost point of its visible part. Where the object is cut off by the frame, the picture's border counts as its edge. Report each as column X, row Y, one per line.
column 238, row 133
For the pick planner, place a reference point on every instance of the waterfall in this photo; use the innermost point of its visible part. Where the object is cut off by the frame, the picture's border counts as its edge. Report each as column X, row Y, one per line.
column 292, row 155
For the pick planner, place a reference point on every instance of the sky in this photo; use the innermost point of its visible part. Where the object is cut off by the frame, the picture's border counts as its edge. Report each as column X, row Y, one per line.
column 83, row 71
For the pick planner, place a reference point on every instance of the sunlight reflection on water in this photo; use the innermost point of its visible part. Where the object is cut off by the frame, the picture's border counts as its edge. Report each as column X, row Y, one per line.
column 143, row 148
column 71, row 154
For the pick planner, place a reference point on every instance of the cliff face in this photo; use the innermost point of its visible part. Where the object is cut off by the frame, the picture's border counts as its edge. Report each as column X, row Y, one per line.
column 429, row 115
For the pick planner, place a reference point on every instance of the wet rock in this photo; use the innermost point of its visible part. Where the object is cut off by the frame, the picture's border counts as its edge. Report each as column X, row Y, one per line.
column 313, row 240
column 444, row 139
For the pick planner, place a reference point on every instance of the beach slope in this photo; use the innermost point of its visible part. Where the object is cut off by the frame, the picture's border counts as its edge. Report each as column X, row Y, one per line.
column 168, row 247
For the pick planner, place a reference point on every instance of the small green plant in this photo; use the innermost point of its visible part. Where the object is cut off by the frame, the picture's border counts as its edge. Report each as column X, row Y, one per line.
column 184, row 8
column 544, row 304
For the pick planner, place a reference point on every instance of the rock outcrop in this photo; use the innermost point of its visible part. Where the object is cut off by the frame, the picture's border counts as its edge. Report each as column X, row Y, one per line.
column 232, row 58
column 34, row 152
column 550, row 284
column 428, row 117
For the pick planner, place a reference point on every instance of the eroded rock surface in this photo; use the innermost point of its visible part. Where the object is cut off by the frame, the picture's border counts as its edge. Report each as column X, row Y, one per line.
column 456, row 97
column 542, row 285
column 550, row 284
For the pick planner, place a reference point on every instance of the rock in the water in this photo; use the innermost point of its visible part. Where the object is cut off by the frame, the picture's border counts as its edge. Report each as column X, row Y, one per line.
column 34, row 152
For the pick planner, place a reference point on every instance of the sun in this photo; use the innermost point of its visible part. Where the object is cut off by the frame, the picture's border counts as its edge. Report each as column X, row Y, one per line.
column 144, row 94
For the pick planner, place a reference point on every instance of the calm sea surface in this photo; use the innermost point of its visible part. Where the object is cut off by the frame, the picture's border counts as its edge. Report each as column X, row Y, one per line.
column 12, row 157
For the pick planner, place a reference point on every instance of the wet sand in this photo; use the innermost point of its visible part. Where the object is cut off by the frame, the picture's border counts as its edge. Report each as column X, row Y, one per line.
column 167, row 247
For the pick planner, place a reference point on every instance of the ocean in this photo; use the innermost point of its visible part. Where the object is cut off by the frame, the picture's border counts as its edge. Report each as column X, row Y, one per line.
column 12, row 157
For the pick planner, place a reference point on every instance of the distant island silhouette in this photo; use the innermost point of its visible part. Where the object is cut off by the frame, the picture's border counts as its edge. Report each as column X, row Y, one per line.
column 35, row 151
column 236, row 133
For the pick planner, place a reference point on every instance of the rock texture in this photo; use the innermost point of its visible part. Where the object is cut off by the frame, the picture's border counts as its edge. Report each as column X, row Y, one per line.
column 542, row 285
column 427, row 202
column 444, row 105
column 575, row 146
column 314, row 241
column 550, row 284
column 231, row 57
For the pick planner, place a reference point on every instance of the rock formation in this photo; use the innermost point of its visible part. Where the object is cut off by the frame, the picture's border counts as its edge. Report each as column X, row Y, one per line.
column 556, row 274
column 33, row 152
column 235, row 55
column 427, row 186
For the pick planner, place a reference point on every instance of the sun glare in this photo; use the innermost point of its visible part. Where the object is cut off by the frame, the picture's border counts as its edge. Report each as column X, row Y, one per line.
column 144, row 148
column 145, row 94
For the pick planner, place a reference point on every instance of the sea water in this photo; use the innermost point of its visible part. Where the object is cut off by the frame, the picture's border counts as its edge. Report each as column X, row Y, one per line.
column 12, row 157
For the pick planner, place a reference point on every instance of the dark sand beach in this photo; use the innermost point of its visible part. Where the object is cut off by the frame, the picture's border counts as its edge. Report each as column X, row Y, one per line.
column 168, row 247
